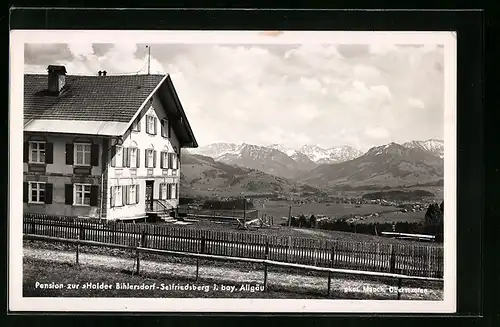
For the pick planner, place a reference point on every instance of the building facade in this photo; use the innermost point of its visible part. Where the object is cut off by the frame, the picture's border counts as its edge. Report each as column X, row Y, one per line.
column 102, row 146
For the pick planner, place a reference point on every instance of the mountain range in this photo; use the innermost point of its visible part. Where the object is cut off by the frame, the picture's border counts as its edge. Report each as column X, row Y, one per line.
column 203, row 173
column 285, row 162
column 390, row 165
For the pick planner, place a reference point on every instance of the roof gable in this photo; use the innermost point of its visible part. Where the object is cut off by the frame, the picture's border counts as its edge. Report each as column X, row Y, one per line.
column 91, row 98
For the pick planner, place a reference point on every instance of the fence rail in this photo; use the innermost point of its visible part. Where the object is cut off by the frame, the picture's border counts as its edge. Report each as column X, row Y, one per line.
column 411, row 260
column 266, row 262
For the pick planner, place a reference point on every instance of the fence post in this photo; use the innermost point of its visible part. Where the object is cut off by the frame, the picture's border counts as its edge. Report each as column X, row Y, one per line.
column 265, row 265
column 202, row 249
column 78, row 251
column 32, row 227
column 393, row 259
column 332, row 255
column 138, row 258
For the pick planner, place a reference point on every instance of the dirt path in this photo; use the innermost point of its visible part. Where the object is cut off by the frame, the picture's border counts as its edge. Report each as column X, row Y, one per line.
column 223, row 274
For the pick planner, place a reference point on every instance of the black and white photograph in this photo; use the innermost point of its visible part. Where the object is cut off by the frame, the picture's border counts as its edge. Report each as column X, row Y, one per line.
column 269, row 171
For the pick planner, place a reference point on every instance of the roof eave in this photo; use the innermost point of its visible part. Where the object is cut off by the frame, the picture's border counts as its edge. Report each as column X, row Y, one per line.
column 185, row 122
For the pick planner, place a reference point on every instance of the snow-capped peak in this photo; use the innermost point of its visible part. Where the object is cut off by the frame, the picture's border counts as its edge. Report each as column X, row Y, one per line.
column 434, row 146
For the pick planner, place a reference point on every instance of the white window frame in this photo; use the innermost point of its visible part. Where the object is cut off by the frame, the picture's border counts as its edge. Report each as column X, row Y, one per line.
column 117, row 195
column 119, row 156
column 132, row 196
column 175, row 162
column 84, row 192
column 173, row 191
column 150, row 124
column 38, row 151
column 164, row 191
column 165, row 160
column 38, row 189
column 133, row 162
column 150, row 157
column 75, row 155
column 135, row 126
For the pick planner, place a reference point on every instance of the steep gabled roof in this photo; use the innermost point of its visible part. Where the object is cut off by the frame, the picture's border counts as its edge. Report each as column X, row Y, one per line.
column 91, row 98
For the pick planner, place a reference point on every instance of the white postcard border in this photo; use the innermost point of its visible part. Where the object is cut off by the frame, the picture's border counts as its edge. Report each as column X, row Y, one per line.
column 18, row 303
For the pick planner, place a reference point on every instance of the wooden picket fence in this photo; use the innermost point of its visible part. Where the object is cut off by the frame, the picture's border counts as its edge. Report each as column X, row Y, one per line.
column 408, row 259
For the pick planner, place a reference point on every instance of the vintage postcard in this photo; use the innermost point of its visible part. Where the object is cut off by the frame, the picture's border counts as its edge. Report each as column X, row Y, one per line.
column 232, row 171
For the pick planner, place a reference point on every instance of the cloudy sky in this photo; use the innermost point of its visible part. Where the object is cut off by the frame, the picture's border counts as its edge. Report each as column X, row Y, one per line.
column 327, row 95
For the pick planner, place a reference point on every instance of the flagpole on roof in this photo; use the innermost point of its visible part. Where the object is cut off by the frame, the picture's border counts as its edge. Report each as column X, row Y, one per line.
column 149, row 58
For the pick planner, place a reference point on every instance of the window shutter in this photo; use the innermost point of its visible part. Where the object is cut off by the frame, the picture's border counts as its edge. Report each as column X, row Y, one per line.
column 127, row 190
column 112, row 196
column 138, row 124
column 94, row 195
column 68, row 193
column 162, row 127
column 94, row 155
column 69, row 155
column 124, row 195
column 171, row 160
column 154, row 125
column 25, row 192
column 49, row 153
column 154, row 158
column 146, row 162
column 169, row 126
column 138, row 157
column 161, row 192
column 113, row 153
column 137, row 193
column 162, row 160
column 129, row 154
column 48, row 193
column 124, row 156
column 26, row 154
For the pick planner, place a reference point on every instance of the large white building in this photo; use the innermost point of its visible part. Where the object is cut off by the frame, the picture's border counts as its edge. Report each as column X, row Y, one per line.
column 102, row 146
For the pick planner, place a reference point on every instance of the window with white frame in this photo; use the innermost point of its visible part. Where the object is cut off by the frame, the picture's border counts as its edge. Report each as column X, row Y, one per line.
column 149, row 158
column 163, row 191
column 132, row 194
column 117, row 195
column 82, row 154
column 173, row 192
column 82, row 194
column 150, row 124
column 37, row 151
column 136, row 126
column 37, row 192
column 165, row 159
column 133, row 157
column 119, row 156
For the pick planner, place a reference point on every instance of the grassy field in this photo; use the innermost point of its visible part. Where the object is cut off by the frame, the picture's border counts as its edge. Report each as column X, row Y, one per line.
column 47, row 269
column 279, row 209
column 397, row 216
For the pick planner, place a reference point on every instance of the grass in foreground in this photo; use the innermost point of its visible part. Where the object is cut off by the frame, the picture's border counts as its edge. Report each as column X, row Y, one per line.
column 40, row 269
column 63, row 274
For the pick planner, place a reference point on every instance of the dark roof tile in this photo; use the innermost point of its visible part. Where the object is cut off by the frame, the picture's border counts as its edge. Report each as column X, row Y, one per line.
column 93, row 98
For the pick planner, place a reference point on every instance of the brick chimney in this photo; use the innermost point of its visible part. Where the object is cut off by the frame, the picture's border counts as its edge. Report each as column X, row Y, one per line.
column 57, row 78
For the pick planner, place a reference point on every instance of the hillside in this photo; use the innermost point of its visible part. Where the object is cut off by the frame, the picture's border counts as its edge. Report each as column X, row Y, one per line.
column 202, row 173
column 391, row 165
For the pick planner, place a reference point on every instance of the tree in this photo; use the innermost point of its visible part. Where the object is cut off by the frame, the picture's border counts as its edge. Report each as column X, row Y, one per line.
column 312, row 221
column 302, row 220
column 434, row 215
